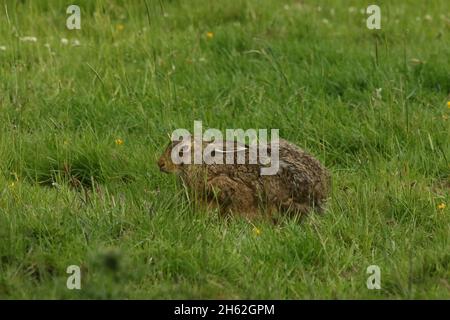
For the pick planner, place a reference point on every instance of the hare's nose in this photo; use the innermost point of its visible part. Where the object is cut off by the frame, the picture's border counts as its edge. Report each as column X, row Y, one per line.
column 161, row 166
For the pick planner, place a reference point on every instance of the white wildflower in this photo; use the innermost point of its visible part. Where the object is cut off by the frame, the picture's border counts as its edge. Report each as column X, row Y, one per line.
column 2, row 48
column 75, row 43
column 28, row 39
column 416, row 61
column 64, row 41
column 47, row 45
column 378, row 93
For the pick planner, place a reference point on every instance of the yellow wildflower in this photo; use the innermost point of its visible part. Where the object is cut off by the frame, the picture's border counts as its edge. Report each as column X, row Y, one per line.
column 209, row 35
column 256, row 231
column 120, row 27
column 448, row 104
column 441, row 206
column 119, row 142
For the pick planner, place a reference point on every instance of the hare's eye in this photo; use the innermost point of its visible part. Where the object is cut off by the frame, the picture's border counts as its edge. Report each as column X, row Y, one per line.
column 213, row 153
column 180, row 153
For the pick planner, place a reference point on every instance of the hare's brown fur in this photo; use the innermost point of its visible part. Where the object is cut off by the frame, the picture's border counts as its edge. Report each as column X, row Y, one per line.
column 301, row 184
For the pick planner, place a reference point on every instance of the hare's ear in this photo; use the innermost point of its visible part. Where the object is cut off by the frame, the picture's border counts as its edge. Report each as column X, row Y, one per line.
column 173, row 141
column 180, row 135
column 169, row 136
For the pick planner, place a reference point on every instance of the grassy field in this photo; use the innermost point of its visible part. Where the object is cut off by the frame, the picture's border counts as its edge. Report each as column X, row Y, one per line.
column 84, row 120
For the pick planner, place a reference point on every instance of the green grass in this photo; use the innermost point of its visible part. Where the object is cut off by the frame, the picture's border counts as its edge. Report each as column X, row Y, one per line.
column 70, row 195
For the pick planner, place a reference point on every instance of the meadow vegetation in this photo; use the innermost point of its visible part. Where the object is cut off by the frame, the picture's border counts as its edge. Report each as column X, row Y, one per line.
column 85, row 114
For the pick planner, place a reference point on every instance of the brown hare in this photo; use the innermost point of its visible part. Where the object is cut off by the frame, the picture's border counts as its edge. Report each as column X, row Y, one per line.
column 301, row 184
